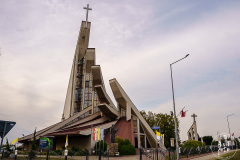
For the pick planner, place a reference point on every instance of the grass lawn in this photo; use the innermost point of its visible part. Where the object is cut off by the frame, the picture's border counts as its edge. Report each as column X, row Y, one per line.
column 232, row 156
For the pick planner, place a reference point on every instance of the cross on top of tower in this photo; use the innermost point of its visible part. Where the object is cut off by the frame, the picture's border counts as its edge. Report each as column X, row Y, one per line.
column 194, row 115
column 87, row 8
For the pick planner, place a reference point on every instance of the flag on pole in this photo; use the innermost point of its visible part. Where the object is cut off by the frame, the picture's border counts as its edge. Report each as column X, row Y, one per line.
column 94, row 134
column 183, row 114
column 233, row 134
column 66, row 144
column 15, row 141
column 99, row 132
column 159, row 135
column 102, row 133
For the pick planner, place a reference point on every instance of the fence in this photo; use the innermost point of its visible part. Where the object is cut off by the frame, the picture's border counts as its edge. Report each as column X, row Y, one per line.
column 80, row 155
column 153, row 153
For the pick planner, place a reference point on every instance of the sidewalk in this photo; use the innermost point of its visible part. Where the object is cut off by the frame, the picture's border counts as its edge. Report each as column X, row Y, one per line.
column 208, row 156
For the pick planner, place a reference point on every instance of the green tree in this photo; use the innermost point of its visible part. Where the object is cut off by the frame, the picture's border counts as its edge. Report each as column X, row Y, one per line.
column 208, row 140
column 192, row 143
column 8, row 146
column 166, row 123
column 237, row 141
column 222, row 140
column 34, row 141
column 8, row 150
column 32, row 153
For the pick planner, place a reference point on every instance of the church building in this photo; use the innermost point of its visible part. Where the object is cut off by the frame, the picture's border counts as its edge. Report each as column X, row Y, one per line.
column 88, row 105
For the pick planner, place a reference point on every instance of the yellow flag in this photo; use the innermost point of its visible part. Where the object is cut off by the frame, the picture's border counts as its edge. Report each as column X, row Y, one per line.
column 99, row 134
column 14, row 141
column 66, row 144
column 158, row 134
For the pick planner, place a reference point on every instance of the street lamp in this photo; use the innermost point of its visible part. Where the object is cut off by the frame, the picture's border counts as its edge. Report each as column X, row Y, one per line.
column 229, row 128
column 175, row 121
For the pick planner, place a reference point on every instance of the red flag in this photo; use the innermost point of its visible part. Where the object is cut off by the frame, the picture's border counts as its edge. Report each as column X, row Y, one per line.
column 183, row 114
column 233, row 134
column 94, row 132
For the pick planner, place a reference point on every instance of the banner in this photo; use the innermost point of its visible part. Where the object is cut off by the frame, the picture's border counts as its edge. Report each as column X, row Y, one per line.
column 46, row 143
column 15, row 141
column 94, row 134
column 102, row 133
column 99, row 134
column 66, row 143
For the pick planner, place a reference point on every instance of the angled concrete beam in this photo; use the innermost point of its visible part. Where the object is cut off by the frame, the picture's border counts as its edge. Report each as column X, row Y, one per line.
column 123, row 99
column 103, row 96
column 108, row 111
column 90, row 59
column 97, row 78
column 57, row 126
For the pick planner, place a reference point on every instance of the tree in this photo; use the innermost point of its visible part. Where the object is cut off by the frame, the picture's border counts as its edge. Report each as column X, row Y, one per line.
column 8, row 150
column 208, row 140
column 237, row 141
column 31, row 153
column 166, row 123
column 34, row 141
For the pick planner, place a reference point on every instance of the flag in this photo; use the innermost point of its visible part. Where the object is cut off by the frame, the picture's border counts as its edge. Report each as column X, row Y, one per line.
column 233, row 134
column 102, row 133
column 15, row 141
column 94, row 134
column 202, row 139
column 99, row 134
column 159, row 135
column 183, row 114
column 66, row 144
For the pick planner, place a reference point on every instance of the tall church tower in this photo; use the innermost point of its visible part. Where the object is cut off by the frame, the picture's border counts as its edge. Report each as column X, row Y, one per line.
column 80, row 92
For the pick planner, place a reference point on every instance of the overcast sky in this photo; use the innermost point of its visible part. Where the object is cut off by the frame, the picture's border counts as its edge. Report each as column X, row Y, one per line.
column 135, row 42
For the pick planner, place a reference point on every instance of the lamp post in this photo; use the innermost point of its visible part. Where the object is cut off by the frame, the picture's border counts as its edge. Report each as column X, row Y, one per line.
column 229, row 128
column 175, row 121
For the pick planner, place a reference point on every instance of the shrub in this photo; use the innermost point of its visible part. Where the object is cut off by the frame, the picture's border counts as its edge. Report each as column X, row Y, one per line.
column 125, row 147
column 192, row 143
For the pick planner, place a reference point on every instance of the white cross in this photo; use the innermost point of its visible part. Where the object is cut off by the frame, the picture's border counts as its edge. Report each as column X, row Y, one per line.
column 87, row 8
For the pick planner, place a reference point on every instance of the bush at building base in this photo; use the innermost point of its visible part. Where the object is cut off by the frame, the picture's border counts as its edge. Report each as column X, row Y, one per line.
column 125, row 147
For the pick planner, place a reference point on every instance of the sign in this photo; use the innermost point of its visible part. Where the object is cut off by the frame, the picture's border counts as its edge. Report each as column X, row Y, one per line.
column 5, row 127
column 46, row 143
column 66, row 152
column 172, row 142
column 155, row 127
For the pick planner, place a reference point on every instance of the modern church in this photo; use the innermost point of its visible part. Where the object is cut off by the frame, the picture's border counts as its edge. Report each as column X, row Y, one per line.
column 88, row 106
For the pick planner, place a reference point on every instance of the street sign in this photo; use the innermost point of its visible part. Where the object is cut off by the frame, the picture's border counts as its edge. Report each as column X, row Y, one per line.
column 5, row 127
column 155, row 127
